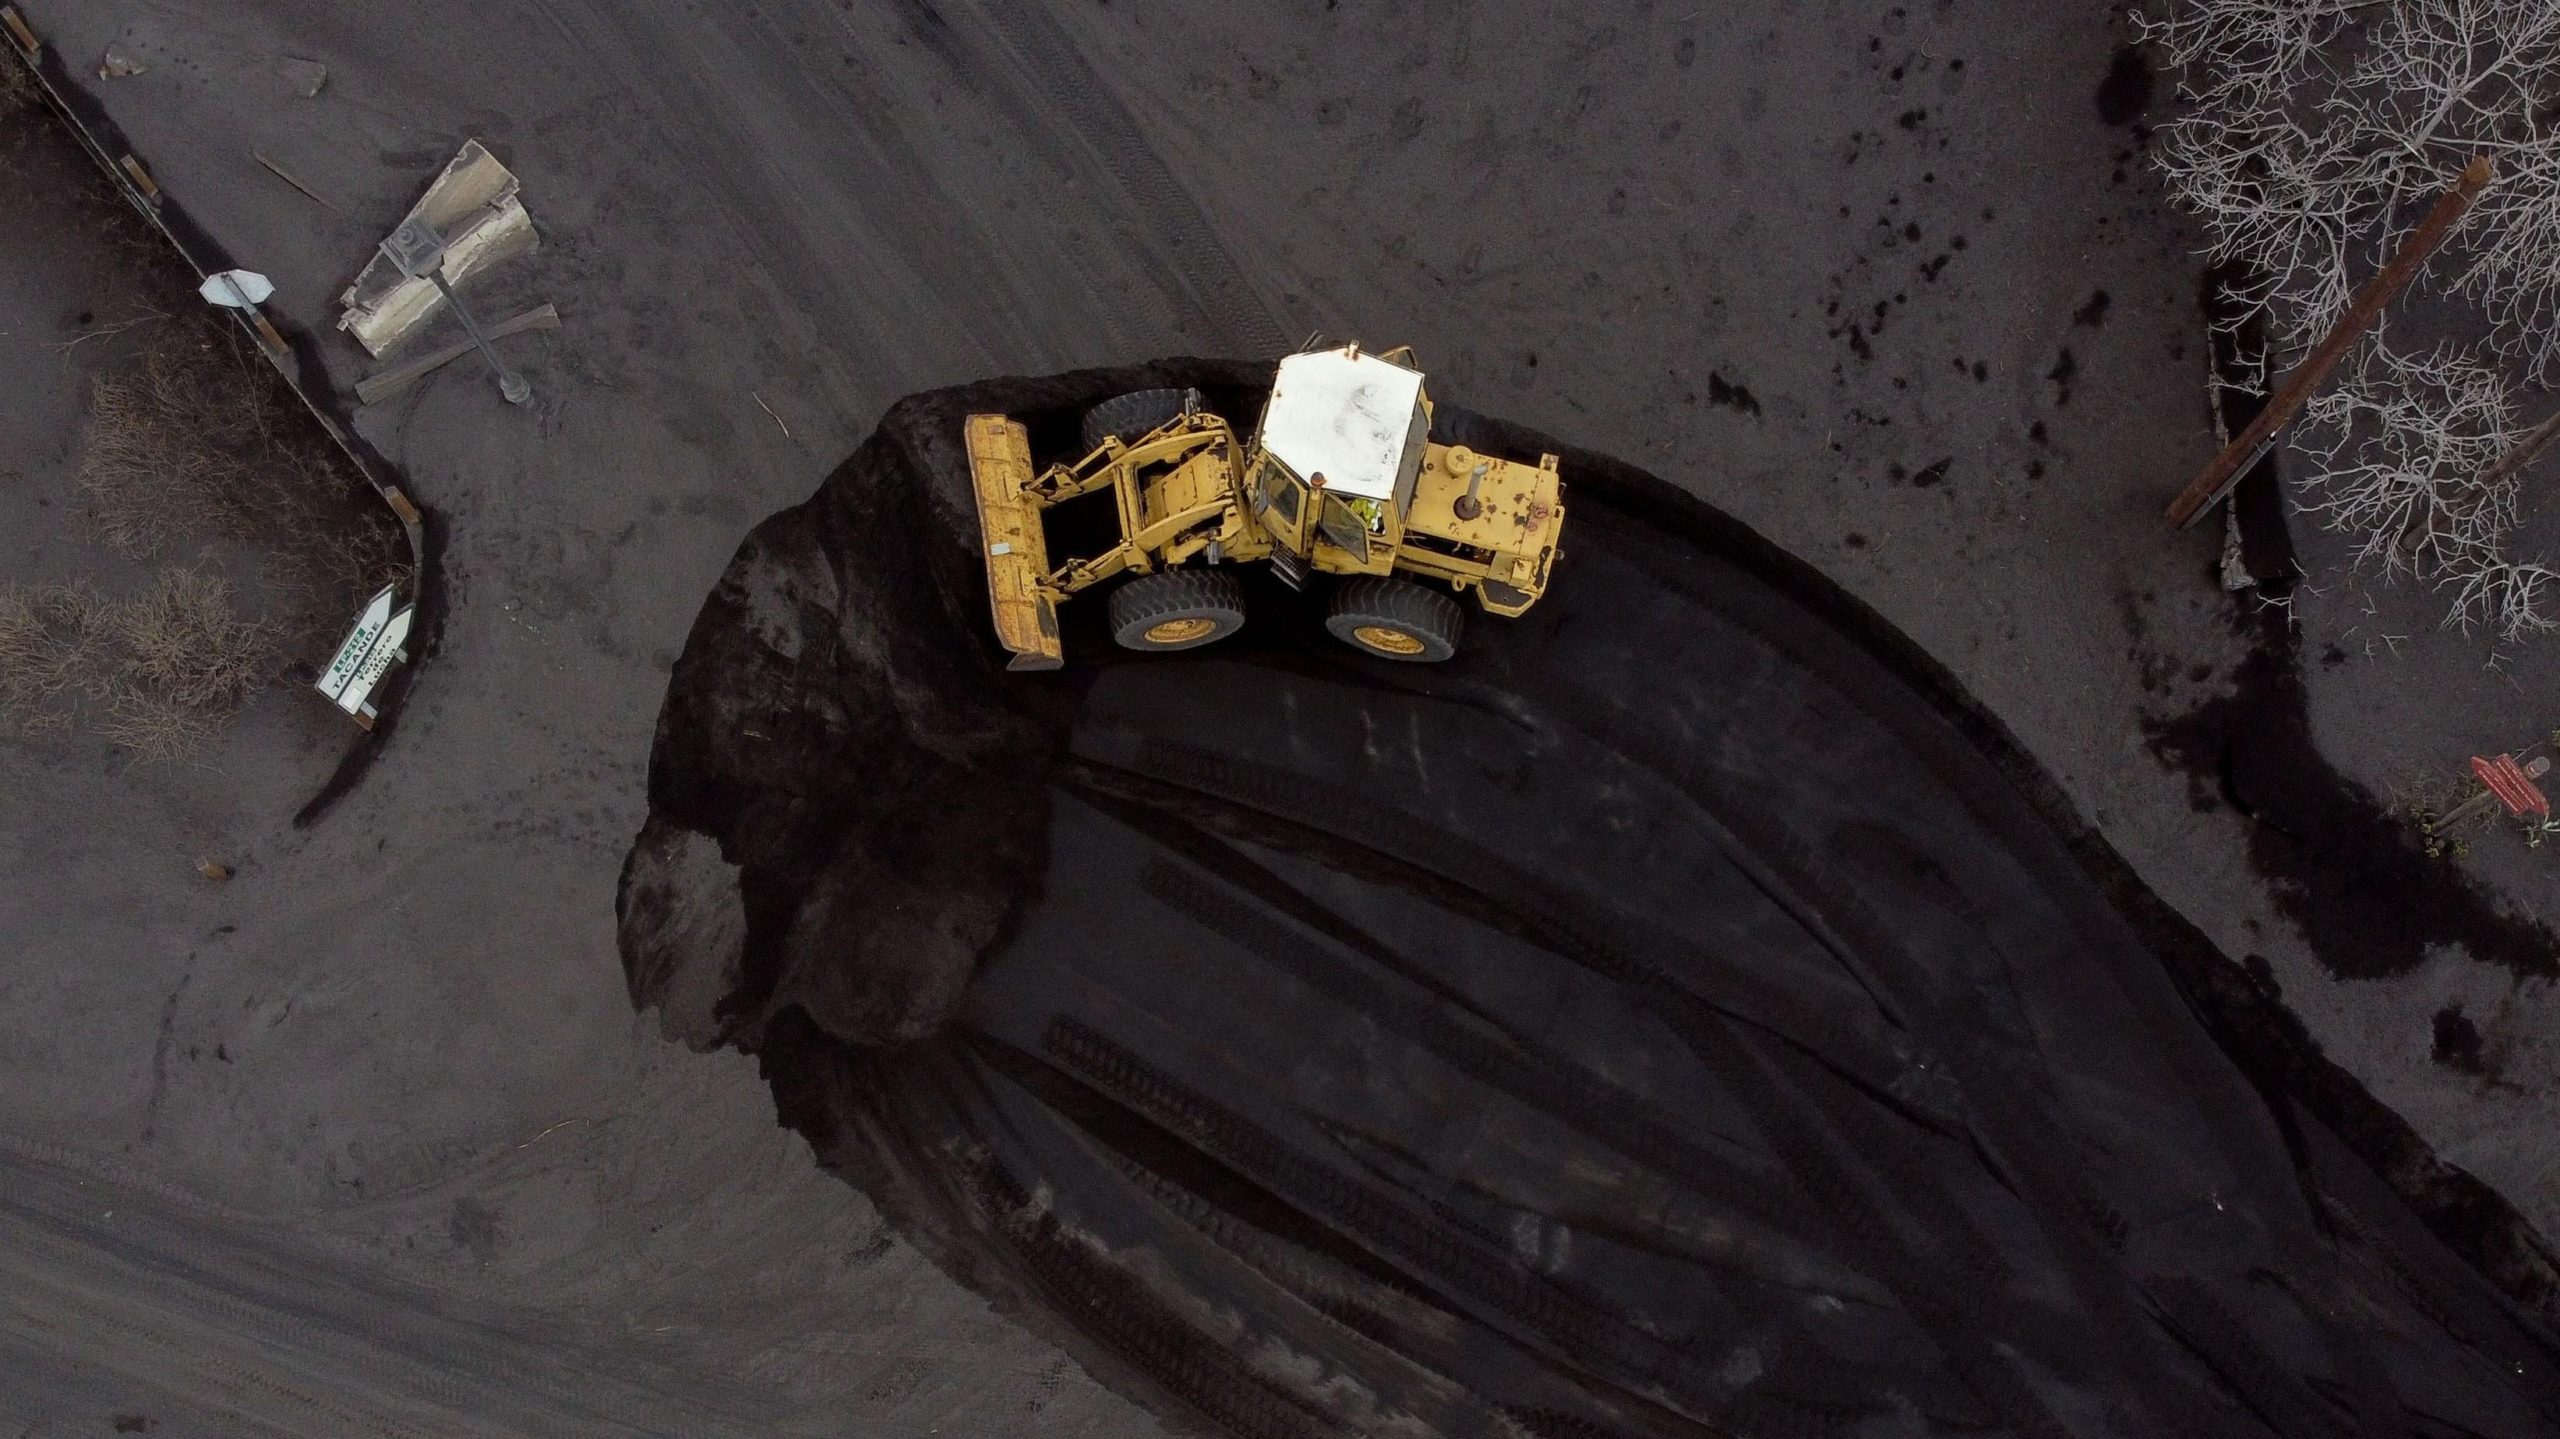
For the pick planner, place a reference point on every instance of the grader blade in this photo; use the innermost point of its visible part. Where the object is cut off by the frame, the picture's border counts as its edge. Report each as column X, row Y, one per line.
column 1017, row 552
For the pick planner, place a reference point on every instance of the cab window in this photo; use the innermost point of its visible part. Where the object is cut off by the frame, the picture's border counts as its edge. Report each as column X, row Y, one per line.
column 1278, row 493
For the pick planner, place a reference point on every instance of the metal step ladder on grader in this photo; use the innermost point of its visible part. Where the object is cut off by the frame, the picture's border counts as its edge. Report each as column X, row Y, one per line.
column 1341, row 479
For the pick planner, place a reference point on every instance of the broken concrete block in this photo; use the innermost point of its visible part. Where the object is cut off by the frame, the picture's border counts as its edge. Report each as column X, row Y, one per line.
column 473, row 205
column 304, row 76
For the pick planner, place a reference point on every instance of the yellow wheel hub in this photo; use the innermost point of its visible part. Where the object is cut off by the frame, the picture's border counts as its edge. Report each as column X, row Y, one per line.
column 1388, row 640
column 1178, row 631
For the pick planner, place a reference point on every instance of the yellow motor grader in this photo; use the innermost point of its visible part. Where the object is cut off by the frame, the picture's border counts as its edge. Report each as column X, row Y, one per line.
column 1341, row 478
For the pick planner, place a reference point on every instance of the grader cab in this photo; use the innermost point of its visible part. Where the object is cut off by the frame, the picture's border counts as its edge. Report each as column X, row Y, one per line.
column 1340, row 479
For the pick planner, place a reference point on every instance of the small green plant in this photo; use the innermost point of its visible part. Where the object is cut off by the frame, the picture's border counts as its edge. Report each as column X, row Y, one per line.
column 2440, row 846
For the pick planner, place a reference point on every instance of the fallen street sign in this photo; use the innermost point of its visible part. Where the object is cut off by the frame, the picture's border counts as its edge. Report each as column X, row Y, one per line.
column 369, row 652
column 236, row 289
column 351, row 655
column 2512, row 785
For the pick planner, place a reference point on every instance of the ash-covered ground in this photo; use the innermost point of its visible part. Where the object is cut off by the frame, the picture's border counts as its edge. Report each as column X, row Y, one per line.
column 1889, row 282
column 1682, row 1013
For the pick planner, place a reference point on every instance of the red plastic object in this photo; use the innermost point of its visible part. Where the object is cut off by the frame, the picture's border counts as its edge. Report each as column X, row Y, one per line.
column 2509, row 784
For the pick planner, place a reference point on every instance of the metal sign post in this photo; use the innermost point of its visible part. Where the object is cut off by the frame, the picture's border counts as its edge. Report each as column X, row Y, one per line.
column 369, row 652
column 417, row 251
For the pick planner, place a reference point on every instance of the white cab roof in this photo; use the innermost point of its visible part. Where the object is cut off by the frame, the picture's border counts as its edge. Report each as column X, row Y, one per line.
column 1343, row 415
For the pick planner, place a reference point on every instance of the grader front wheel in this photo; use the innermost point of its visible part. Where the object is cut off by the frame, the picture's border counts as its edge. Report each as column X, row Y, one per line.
column 1130, row 417
column 1176, row 610
column 1395, row 620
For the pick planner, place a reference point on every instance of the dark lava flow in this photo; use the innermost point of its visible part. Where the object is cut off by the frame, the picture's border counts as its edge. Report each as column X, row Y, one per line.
column 1685, row 1013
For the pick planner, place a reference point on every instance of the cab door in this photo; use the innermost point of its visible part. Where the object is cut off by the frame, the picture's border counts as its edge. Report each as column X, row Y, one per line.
column 1347, row 524
column 1283, row 503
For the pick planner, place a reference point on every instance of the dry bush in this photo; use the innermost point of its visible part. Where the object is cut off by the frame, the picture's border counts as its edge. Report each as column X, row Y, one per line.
column 2511, row 597
column 2314, row 127
column 2401, row 446
column 184, row 641
column 185, row 659
column 2401, row 450
column 50, row 638
column 199, row 438
column 2314, row 135
column 333, row 544
column 162, row 671
column 154, row 729
column 173, row 448
column 17, row 89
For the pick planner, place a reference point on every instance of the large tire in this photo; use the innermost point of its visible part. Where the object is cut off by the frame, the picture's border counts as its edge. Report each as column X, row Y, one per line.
column 1177, row 610
column 1126, row 417
column 1395, row 620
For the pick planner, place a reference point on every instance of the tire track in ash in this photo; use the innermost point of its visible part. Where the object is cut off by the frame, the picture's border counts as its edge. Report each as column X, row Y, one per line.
column 759, row 188
column 1330, row 1294
column 1535, row 1312
column 1746, row 1186
column 1505, row 897
column 1232, row 316
column 227, row 1323
column 1940, row 1279
column 1486, row 1053
column 1109, row 1301
column 2036, row 1151
column 2007, row 1110
column 1942, row 1291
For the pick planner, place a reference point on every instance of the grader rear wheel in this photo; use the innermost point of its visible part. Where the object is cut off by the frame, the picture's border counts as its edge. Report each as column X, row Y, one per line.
column 1395, row 620
column 1176, row 610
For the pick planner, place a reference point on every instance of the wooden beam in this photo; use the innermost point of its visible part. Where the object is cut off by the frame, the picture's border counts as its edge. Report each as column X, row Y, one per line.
column 24, row 38
column 279, row 172
column 399, row 377
column 2225, row 469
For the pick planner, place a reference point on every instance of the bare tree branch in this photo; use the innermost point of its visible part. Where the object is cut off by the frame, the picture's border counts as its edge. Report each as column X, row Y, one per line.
column 2313, row 132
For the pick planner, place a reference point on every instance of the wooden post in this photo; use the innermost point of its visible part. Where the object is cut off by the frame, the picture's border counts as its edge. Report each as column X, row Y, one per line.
column 2225, row 469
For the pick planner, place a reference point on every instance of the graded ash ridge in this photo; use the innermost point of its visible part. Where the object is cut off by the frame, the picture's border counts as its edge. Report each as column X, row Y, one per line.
column 1682, row 1013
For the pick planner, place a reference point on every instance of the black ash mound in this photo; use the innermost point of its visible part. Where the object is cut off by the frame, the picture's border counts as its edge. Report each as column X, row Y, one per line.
column 1681, row 1014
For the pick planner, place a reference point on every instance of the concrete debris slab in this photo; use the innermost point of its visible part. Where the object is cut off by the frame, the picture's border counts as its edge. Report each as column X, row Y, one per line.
column 473, row 204
column 306, row 77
